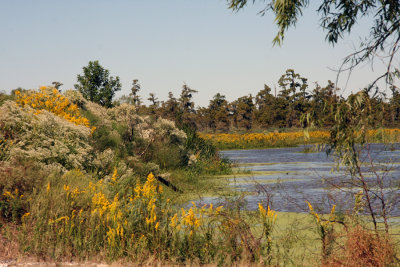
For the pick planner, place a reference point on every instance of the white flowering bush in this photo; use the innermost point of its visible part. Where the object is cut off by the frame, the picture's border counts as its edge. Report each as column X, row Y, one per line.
column 127, row 117
column 76, row 97
column 157, row 140
column 44, row 137
column 167, row 129
column 100, row 114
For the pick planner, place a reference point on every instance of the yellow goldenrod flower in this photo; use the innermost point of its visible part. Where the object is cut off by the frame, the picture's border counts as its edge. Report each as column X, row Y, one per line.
column 24, row 216
column 8, row 194
column 218, row 210
column 54, row 102
column 310, row 206
column 65, row 218
column 261, row 209
column 174, row 221
column 333, row 209
column 114, row 176
column 66, row 188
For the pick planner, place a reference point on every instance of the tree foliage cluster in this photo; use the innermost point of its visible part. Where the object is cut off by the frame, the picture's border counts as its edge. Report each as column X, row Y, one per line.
column 295, row 103
column 337, row 19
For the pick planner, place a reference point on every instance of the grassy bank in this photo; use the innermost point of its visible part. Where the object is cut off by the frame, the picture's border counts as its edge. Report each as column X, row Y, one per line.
column 226, row 141
column 75, row 218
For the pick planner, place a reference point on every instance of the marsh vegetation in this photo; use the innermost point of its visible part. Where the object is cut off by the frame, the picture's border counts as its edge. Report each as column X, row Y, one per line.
column 120, row 181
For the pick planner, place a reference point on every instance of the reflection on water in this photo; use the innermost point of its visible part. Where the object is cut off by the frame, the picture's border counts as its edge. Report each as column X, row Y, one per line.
column 290, row 177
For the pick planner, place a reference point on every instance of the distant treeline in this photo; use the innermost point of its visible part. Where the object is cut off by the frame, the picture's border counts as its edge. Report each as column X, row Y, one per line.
column 294, row 104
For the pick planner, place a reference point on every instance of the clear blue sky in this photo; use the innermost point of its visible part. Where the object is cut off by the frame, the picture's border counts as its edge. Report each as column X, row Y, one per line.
column 163, row 44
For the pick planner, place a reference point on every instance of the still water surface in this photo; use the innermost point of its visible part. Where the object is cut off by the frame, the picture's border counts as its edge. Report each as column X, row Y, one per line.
column 287, row 177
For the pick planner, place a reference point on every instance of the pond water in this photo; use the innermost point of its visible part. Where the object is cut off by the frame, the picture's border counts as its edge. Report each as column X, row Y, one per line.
column 287, row 177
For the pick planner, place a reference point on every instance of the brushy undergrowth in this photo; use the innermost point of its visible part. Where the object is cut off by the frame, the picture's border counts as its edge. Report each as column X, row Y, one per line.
column 76, row 216
column 363, row 248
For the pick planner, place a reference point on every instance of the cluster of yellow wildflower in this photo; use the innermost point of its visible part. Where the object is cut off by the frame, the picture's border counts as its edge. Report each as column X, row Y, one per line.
column 105, row 214
column 115, row 222
column 193, row 218
column 100, row 204
column 190, row 219
column 259, row 140
column 253, row 140
column 325, row 228
column 146, row 197
column 139, row 218
column 13, row 195
column 54, row 102
column 115, row 175
column 321, row 222
column 384, row 135
column 268, row 218
column 267, row 214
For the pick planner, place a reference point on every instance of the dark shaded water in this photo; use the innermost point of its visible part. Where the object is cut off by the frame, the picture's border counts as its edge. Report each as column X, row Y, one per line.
column 286, row 178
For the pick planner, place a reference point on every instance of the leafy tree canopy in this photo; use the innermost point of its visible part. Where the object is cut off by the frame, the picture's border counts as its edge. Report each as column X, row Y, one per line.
column 338, row 18
column 186, row 98
column 97, row 85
